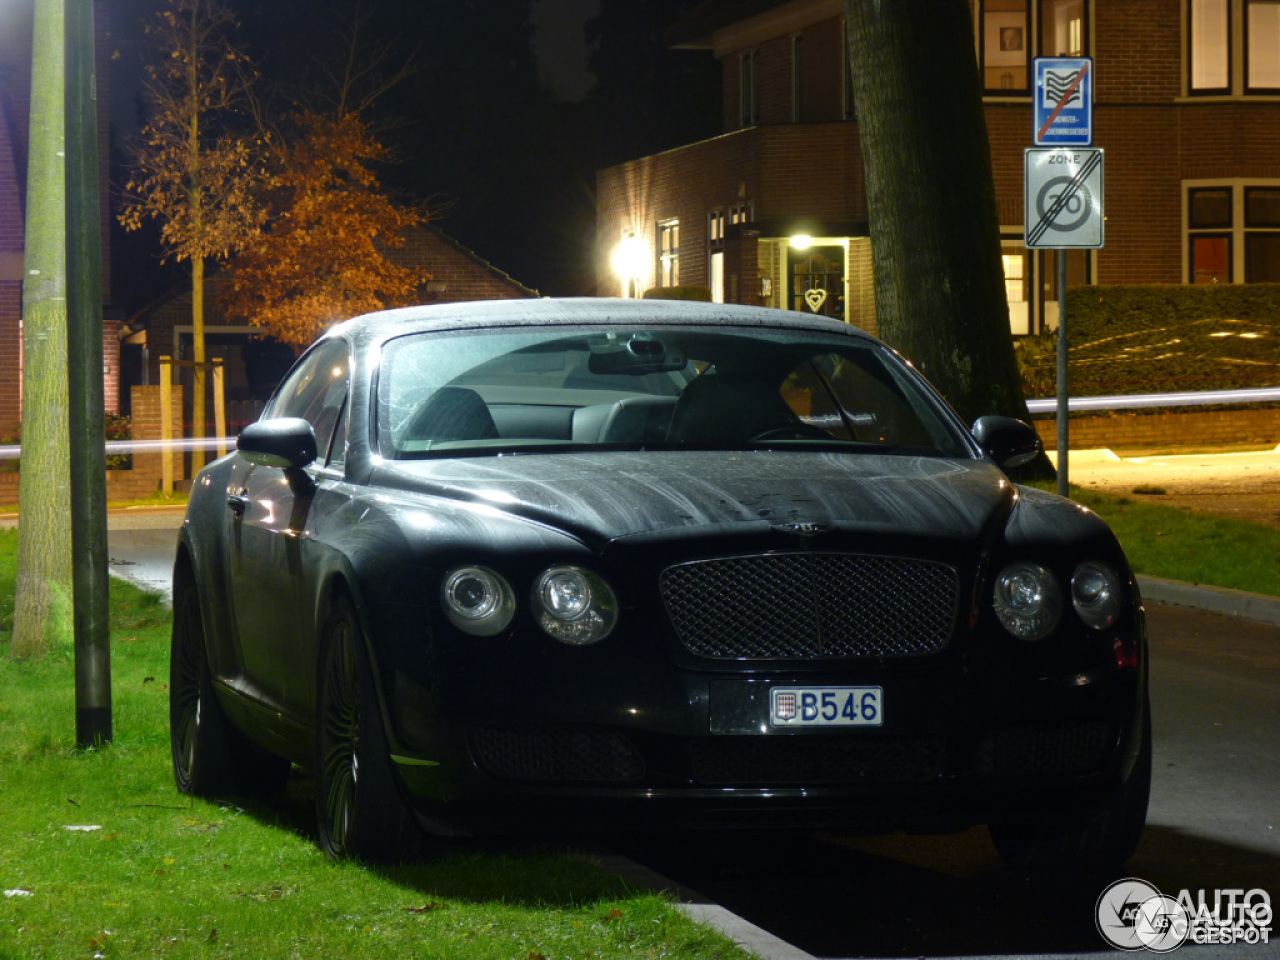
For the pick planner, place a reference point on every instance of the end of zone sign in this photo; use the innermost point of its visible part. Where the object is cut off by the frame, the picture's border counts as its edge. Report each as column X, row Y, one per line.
column 1063, row 101
column 1063, row 198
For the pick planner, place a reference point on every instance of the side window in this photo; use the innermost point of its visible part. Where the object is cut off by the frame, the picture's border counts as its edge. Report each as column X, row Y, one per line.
column 316, row 391
column 859, row 400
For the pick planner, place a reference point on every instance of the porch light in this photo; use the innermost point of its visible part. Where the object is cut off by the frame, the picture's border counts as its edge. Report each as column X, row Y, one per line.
column 801, row 241
column 628, row 260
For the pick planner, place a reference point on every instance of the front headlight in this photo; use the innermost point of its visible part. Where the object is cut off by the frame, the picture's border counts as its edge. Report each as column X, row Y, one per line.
column 1027, row 601
column 1095, row 593
column 574, row 606
column 477, row 600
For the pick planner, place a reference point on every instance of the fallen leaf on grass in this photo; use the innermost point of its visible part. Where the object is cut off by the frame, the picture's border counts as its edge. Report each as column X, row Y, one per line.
column 426, row 907
column 535, row 955
column 213, row 934
column 612, row 915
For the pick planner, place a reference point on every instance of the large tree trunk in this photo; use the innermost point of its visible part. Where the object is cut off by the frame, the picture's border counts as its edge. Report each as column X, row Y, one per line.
column 935, row 236
column 43, row 590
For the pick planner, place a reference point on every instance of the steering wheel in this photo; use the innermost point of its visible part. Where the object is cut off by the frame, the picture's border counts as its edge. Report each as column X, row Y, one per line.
column 795, row 430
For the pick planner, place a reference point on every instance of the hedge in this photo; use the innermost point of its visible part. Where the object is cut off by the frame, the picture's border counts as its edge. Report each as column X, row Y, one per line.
column 1160, row 338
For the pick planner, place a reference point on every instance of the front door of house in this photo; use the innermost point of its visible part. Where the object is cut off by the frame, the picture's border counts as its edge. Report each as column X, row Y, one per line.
column 816, row 279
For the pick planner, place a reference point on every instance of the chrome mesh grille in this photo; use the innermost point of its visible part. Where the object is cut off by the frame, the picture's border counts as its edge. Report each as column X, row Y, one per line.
column 810, row 606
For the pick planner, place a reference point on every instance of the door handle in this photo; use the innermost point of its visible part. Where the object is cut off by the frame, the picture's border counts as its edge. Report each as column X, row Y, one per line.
column 238, row 504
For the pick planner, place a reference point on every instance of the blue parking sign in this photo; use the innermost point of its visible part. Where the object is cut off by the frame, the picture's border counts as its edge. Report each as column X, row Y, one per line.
column 1063, row 101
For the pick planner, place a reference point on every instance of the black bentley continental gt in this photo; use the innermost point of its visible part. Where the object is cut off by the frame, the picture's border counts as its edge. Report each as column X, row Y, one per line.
column 601, row 565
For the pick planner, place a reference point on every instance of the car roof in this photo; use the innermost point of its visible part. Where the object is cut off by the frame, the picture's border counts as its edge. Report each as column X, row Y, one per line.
column 586, row 311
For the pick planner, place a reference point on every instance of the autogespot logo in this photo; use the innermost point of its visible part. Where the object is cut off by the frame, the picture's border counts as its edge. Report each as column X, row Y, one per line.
column 1133, row 915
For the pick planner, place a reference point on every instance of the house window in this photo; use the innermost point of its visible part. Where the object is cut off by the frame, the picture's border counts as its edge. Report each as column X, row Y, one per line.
column 1063, row 31
column 797, row 86
column 748, row 89
column 1209, row 26
column 1233, row 233
column 669, row 253
column 1017, row 283
column 1262, row 46
column 1004, row 46
column 1262, row 234
column 1223, row 60
column 1209, row 222
column 742, row 213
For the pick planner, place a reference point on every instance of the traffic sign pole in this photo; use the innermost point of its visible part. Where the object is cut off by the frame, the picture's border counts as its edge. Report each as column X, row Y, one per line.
column 1064, row 394
column 1063, row 194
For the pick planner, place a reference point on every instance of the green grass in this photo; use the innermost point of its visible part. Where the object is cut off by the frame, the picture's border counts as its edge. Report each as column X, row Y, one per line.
column 168, row 876
column 1163, row 541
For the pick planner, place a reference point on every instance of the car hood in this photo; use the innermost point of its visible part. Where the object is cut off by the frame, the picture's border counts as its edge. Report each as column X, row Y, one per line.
column 602, row 496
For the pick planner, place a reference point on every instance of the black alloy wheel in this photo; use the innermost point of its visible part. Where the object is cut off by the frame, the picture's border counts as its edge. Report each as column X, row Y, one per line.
column 359, row 811
column 210, row 756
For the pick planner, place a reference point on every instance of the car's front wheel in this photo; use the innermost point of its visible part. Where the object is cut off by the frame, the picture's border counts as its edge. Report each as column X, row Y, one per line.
column 1106, row 841
column 210, row 756
column 359, row 810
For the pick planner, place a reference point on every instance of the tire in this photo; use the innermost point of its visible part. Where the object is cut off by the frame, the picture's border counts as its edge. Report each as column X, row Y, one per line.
column 1107, row 841
column 210, row 756
column 359, row 809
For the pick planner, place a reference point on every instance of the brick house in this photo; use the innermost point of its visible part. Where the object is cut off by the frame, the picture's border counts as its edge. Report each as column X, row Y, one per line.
column 254, row 366
column 1186, row 106
column 15, row 101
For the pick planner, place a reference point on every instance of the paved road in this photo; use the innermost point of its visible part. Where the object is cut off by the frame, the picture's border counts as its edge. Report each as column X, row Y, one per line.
column 1214, row 823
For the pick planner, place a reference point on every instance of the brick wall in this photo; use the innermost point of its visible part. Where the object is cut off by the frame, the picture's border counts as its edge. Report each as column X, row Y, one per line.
column 1208, row 428
column 148, row 467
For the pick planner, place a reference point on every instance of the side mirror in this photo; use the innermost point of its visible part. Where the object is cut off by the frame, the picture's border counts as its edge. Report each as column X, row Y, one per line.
column 1009, row 442
column 284, row 442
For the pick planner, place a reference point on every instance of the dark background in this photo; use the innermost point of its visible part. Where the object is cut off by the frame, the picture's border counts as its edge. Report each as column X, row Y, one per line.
column 514, row 106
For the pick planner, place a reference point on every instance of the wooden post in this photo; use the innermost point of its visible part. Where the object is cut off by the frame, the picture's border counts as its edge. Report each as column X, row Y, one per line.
column 166, row 426
column 219, row 407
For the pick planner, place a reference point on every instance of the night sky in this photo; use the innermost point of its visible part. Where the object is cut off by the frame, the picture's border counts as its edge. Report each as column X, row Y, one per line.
column 515, row 105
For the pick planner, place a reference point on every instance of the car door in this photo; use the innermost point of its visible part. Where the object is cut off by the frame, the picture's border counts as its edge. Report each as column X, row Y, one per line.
column 267, row 515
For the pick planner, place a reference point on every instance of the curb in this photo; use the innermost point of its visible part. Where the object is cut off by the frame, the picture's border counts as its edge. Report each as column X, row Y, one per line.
column 1220, row 600
column 755, row 940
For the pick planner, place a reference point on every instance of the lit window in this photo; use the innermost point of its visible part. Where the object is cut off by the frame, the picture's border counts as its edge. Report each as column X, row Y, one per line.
column 1062, row 28
column 1262, row 50
column 1210, row 46
column 1004, row 47
column 1215, row 45
column 669, row 253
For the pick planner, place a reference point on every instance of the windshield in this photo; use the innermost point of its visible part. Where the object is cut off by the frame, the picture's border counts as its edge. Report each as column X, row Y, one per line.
column 479, row 393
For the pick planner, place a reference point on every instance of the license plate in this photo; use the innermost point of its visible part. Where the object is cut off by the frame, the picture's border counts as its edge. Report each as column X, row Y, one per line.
column 826, row 706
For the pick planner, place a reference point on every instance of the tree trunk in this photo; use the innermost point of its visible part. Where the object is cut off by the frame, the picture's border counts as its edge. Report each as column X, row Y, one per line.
column 197, row 354
column 197, row 262
column 43, row 591
column 935, row 235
